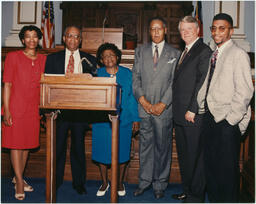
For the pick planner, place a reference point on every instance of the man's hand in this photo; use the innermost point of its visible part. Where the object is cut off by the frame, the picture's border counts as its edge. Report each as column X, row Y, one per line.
column 145, row 104
column 68, row 75
column 158, row 108
column 190, row 116
column 88, row 76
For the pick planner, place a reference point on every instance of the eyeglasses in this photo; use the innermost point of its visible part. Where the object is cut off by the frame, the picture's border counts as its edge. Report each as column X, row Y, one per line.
column 221, row 28
column 108, row 56
column 76, row 37
column 154, row 29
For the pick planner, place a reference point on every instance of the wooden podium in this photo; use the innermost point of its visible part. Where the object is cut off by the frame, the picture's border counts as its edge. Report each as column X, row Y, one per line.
column 80, row 93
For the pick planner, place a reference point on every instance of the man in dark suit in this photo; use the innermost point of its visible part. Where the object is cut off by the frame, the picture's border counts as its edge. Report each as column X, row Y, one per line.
column 188, row 79
column 153, row 72
column 66, row 61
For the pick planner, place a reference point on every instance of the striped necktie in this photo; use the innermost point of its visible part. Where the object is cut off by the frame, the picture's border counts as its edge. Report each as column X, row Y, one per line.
column 213, row 64
column 212, row 68
column 183, row 56
column 155, row 57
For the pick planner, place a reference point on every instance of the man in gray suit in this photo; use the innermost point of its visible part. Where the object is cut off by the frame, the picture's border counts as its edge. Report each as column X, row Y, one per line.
column 225, row 97
column 153, row 72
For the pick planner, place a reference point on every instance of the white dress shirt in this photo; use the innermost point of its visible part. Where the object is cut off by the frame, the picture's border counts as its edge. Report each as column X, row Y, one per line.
column 160, row 48
column 191, row 44
column 77, row 59
column 220, row 49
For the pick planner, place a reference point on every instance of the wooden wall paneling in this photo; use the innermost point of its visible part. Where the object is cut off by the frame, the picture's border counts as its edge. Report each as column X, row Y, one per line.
column 93, row 37
column 148, row 12
column 133, row 16
column 247, row 159
column 172, row 14
column 128, row 16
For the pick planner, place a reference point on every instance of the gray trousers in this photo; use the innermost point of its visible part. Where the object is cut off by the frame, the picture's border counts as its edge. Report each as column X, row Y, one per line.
column 155, row 152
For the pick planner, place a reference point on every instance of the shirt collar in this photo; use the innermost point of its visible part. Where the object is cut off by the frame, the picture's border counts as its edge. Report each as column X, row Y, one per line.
column 159, row 45
column 191, row 44
column 222, row 47
column 69, row 52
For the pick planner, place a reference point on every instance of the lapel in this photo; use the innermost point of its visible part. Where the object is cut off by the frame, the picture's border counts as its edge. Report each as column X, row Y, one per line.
column 161, row 62
column 83, row 62
column 149, row 59
column 219, row 64
column 61, row 61
column 190, row 55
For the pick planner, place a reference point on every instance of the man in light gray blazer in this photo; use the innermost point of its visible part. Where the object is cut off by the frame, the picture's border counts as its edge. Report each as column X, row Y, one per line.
column 228, row 90
column 153, row 72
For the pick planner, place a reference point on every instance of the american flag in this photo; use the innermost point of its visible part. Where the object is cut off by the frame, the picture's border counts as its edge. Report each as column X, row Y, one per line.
column 47, row 26
column 199, row 17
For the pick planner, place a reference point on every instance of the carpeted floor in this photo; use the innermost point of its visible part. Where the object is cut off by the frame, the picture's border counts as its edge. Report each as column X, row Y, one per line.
column 66, row 194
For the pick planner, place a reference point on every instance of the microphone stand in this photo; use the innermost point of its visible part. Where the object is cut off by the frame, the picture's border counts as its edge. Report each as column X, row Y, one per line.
column 103, row 26
column 80, row 64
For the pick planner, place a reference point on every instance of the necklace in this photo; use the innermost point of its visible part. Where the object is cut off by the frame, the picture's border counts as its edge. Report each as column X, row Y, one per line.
column 113, row 73
column 29, row 54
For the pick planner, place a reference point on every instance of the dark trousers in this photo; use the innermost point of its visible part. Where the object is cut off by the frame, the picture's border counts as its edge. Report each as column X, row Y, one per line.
column 222, row 147
column 77, row 151
column 190, row 154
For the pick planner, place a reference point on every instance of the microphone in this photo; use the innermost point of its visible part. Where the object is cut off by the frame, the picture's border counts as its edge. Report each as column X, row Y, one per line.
column 103, row 26
column 80, row 64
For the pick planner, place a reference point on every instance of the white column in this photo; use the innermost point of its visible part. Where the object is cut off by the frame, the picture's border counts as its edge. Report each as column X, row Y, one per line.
column 24, row 13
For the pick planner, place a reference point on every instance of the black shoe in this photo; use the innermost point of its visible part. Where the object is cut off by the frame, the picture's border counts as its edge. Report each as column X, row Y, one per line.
column 181, row 196
column 139, row 191
column 159, row 194
column 80, row 189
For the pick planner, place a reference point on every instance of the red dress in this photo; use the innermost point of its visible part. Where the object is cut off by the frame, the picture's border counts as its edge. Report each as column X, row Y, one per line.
column 24, row 74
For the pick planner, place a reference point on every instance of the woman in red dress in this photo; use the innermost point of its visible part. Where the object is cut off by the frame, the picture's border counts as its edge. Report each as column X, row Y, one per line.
column 21, row 97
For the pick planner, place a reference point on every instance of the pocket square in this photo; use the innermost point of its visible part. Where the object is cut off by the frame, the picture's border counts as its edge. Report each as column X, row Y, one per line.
column 171, row 60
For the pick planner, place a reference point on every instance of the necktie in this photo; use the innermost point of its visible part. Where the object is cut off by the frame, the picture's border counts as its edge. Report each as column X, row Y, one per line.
column 212, row 68
column 183, row 56
column 155, row 58
column 70, row 68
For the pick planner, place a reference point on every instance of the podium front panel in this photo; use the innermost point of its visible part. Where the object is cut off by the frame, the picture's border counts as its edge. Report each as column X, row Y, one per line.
column 94, row 94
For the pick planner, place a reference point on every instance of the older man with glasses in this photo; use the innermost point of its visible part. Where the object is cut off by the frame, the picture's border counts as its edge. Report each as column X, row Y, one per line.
column 65, row 62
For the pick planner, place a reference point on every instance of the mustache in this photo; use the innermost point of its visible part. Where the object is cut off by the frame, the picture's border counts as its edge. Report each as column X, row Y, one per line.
column 218, row 43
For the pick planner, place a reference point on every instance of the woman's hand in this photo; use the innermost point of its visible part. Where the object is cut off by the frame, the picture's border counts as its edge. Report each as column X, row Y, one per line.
column 7, row 118
column 135, row 126
column 6, row 100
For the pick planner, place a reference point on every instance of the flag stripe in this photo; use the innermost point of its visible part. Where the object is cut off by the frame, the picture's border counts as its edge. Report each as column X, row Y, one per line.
column 47, row 25
column 199, row 17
